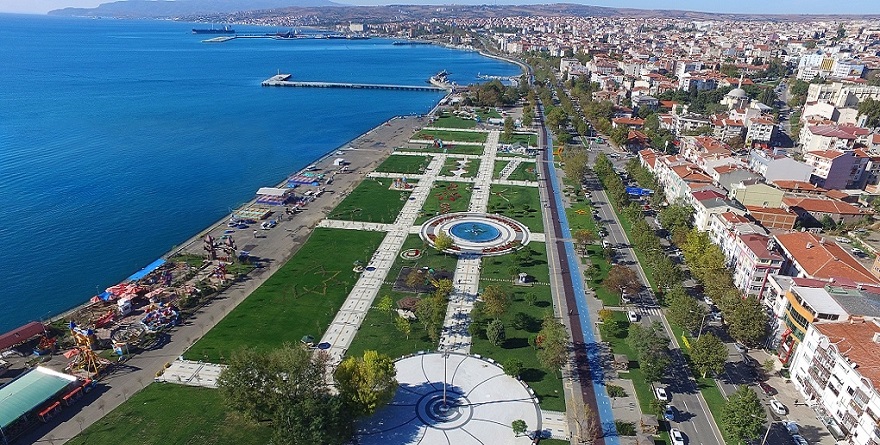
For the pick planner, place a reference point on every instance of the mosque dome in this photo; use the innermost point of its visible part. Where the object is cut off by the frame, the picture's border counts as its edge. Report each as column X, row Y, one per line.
column 737, row 93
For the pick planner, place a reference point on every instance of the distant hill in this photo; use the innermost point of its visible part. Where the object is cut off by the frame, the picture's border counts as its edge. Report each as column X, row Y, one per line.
column 177, row 8
column 328, row 12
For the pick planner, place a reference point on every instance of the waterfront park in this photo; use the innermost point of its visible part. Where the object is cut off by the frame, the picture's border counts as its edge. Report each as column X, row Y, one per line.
column 462, row 212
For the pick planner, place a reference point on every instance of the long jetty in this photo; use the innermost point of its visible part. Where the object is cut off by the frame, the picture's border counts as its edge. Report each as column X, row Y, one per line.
column 283, row 80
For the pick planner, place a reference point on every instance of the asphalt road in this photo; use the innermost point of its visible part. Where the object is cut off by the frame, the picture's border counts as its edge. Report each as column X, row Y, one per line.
column 692, row 414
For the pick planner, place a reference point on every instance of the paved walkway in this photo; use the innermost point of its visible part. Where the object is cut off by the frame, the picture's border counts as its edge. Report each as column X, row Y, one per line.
column 345, row 325
column 456, row 336
column 356, row 225
column 509, row 168
column 191, row 373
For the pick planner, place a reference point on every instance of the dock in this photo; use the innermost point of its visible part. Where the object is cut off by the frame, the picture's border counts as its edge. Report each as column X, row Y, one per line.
column 283, row 80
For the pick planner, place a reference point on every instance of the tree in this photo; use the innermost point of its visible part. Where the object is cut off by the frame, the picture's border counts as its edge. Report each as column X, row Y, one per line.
column 443, row 242
column 743, row 416
column 676, row 216
column 622, row 279
column 584, row 238
column 747, row 322
column 652, row 348
column 386, row 304
column 519, row 427
column 708, row 354
column 575, row 164
column 531, row 298
column 366, row 383
column 403, row 325
column 495, row 301
column 666, row 273
column 684, row 310
column 416, row 278
column 513, row 367
column 495, row 332
column 508, row 128
column 286, row 387
column 586, row 422
column 552, row 342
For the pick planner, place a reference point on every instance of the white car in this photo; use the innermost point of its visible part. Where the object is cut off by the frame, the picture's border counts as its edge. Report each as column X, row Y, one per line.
column 661, row 394
column 841, row 239
column 778, row 407
column 633, row 317
column 676, row 436
column 708, row 301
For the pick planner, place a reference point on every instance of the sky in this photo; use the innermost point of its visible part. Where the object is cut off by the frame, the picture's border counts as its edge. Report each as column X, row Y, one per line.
column 740, row 6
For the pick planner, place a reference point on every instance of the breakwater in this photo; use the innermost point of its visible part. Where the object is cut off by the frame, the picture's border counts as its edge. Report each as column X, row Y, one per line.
column 283, row 80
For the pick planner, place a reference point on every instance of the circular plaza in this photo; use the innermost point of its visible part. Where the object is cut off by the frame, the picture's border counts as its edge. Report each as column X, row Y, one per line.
column 479, row 404
column 476, row 233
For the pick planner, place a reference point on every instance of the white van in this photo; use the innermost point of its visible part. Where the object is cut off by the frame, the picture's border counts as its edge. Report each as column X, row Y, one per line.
column 605, row 244
column 4, row 365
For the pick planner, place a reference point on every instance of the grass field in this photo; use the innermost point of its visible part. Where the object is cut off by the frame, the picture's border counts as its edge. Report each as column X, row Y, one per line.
column 164, row 414
column 371, row 201
column 526, row 138
column 520, row 203
column 596, row 256
column 451, row 136
column 446, row 197
column 525, row 171
column 453, row 149
column 471, row 167
column 301, row 298
column 450, row 121
column 404, row 164
column 546, row 385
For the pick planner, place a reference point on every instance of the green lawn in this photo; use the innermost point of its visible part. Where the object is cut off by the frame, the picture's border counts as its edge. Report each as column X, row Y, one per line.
column 451, row 136
column 446, row 197
column 471, row 167
column 404, row 164
column 716, row 402
column 173, row 414
column 453, row 150
column 450, row 121
column 499, row 165
column 525, row 171
column 526, row 138
column 301, row 298
column 520, row 203
column 486, row 113
column 371, row 201
column 547, row 386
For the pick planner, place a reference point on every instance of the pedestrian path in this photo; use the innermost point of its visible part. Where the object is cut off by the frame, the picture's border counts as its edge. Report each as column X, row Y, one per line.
column 455, row 335
column 191, row 373
column 355, row 225
column 516, row 182
column 345, row 325
column 394, row 175
column 556, row 423
column 509, row 168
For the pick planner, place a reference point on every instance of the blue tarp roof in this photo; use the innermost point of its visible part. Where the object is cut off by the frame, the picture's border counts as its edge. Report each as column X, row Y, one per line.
column 146, row 270
column 637, row 191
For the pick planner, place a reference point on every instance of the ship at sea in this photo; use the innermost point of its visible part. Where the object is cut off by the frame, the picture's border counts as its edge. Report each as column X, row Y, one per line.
column 213, row 30
column 441, row 80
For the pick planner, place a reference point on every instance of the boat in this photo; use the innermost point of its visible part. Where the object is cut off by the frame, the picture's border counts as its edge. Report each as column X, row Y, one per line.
column 213, row 30
column 441, row 80
column 410, row 42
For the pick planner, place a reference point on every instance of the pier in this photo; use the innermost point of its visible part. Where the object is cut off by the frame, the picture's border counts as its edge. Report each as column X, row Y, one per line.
column 283, row 80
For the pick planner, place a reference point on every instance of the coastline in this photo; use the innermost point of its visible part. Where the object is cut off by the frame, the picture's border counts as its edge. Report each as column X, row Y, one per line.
column 221, row 223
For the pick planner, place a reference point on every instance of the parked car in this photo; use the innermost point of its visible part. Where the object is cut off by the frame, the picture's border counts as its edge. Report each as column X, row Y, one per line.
column 661, row 394
column 708, row 301
column 857, row 252
column 741, row 348
column 669, row 413
column 799, row 440
column 4, row 365
column 778, row 407
column 841, row 239
column 633, row 316
column 767, row 389
column 676, row 436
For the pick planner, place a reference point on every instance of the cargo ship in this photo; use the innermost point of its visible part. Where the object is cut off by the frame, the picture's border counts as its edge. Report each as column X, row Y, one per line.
column 213, row 30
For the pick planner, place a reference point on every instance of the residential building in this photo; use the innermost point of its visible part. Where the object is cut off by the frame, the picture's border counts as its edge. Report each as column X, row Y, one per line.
column 773, row 217
column 812, row 211
column 812, row 256
column 832, row 169
column 775, row 167
column 753, row 262
column 707, row 203
column 838, row 374
column 757, row 194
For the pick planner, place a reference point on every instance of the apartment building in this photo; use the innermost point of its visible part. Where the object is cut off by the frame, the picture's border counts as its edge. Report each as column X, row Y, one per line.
column 776, row 167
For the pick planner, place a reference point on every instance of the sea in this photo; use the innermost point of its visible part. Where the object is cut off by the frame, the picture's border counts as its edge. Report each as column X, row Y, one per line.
column 121, row 139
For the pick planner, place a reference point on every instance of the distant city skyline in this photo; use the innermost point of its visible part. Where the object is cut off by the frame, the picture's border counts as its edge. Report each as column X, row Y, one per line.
column 743, row 6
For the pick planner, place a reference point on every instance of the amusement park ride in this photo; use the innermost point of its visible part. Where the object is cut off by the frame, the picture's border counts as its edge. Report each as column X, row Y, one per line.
column 83, row 359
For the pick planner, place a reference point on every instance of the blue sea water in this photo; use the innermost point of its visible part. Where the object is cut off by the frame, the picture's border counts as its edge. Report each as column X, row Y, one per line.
column 121, row 139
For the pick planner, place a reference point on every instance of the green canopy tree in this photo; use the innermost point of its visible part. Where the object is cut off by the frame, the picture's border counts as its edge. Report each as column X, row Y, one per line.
column 443, row 242
column 708, row 354
column 583, row 238
column 286, row 387
column 552, row 342
column 622, row 279
column 495, row 332
column 747, row 322
column 495, row 301
column 652, row 348
column 743, row 416
column 366, row 383
column 684, row 310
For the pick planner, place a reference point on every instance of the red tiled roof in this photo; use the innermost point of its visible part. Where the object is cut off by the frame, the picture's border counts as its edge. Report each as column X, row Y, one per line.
column 829, row 154
column 836, row 194
column 628, row 121
column 855, row 340
column 707, row 194
column 757, row 243
column 768, row 210
column 832, row 131
column 823, row 260
column 796, row 186
column 821, row 205
column 734, row 218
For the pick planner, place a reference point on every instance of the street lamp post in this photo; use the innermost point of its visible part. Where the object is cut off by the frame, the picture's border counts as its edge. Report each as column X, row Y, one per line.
column 445, row 357
column 702, row 320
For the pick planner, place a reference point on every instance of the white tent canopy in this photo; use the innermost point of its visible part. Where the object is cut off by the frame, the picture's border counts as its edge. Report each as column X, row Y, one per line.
column 272, row 191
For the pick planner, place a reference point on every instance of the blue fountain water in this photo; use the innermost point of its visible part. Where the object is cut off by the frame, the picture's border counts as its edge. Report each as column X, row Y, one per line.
column 475, row 232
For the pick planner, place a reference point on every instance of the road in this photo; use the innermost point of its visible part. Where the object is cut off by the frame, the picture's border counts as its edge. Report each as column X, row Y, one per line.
column 693, row 416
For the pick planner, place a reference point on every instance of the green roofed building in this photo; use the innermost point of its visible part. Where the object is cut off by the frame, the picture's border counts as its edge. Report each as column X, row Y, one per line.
column 23, row 399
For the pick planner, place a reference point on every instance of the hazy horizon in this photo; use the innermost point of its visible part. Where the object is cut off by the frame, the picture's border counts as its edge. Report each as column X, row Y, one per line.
column 853, row 7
